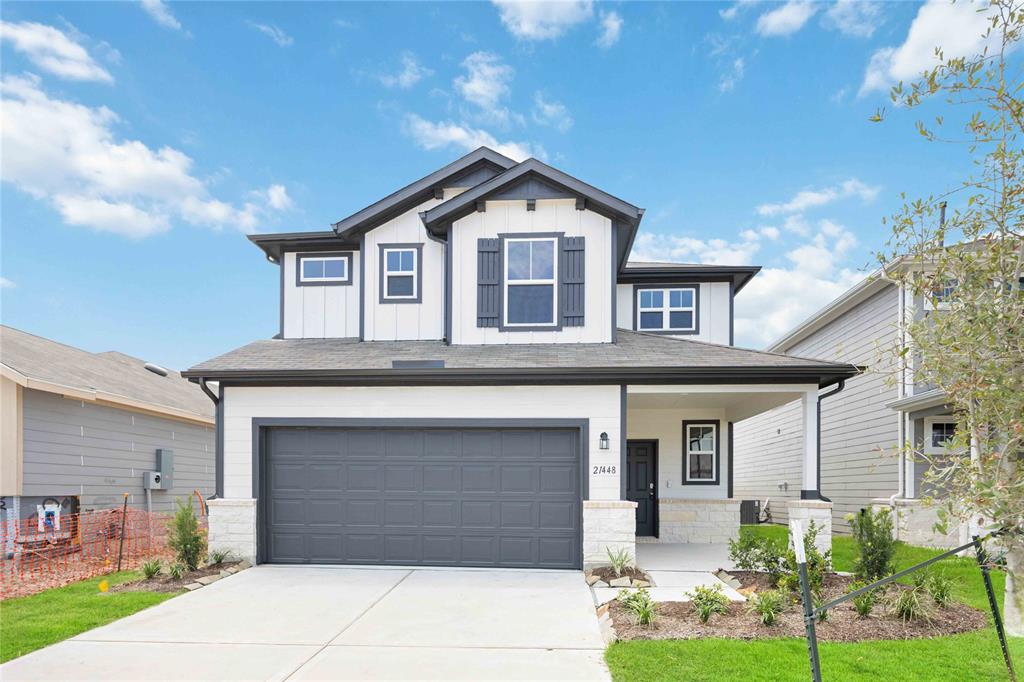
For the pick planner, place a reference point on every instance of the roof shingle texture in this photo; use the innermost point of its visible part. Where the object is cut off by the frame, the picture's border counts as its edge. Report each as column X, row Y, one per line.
column 110, row 372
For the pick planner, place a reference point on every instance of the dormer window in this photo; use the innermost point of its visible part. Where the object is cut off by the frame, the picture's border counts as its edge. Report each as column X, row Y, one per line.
column 667, row 310
column 400, row 273
column 531, row 274
column 323, row 269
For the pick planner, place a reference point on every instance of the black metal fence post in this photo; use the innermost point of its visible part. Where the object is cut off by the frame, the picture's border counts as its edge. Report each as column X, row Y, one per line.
column 994, row 605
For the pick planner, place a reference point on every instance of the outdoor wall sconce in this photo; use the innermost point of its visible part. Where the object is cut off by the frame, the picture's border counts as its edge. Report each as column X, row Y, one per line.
column 604, row 442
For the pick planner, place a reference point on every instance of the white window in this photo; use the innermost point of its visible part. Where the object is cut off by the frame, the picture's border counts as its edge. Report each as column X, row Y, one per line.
column 941, row 297
column 667, row 310
column 701, row 452
column 938, row 434
column 401, row 281
column 531, row 274
column 326, row 269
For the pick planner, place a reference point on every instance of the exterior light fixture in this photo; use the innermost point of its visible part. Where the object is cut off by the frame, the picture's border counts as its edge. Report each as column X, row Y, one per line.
column 604, row 442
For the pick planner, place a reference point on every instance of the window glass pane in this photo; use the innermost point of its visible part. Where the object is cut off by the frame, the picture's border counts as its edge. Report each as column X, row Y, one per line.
column 518, row 260
column 407, row 260
column 650, row 320
column 543, row 260
column 312, row 269
column 657, row 298
column 701, row 467
column 701, row 438
column 531, row 304
column 400, row 285
column 335, row 267
column 680, row 320
column 646, row 300
column 942, row 432
column 394, row 261
column 681, row 298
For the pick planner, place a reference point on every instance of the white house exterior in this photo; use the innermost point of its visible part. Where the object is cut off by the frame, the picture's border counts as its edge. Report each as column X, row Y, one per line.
column 469, row 372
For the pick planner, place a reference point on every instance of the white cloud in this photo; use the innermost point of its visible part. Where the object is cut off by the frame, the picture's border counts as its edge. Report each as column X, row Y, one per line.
column 787, row 19
column 813, row 198
column 69, row 154
column 957, row 28
column 161, row 13
column 412, row 73
column 539, row 20
column 551, row 113
column 437, row 135
column 611, row 29
column 278, row 199
column 486, row 85
column 54, row 51
column 727, row 82
column 6, row 283
column 652, row 246
column 857, row 18
column 734, row 10
column 276, row 34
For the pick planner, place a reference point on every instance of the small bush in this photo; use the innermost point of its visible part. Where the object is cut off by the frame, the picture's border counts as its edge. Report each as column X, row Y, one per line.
column 620, row 559
column 151, row 568
column 218, row 556
column 708, row 601
column 176, row 571
column 876, row 547
column 752, row 553
column 818, row 564
column 863, row 603
column 768, row 606
column 910, row 605
column 823, row 615
column 940, row 587
column 640, row 605
column 185, row 537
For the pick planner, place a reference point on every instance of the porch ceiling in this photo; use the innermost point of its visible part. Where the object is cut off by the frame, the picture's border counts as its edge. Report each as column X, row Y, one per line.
column 739, row 402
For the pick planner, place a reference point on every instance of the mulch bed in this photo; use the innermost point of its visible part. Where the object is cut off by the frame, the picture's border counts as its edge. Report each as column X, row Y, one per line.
column 165, row 583
column 678, row 620
column 606, row 573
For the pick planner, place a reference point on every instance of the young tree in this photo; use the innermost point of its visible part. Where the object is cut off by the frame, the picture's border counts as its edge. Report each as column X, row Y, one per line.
column 968, row 271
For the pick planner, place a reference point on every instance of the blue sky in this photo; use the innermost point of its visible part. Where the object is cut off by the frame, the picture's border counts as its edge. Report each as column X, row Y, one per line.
column 141, row 142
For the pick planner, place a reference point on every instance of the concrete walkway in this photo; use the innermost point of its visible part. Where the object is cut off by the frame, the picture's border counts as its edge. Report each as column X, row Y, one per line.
column 319, row 623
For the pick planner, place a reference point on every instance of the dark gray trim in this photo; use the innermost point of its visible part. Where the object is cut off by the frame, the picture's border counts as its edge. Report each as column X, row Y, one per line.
column 739, row 275
column 668, row 332
column 323, row 254
column 559, row 238
column 280, row 265
column 448, row 292
column 624, row 440
column 656, row 516
column 218, row 459
column 615, row 286
column 732, row 313
column 274, row 245
column 362, row 287
column 718, row 451
column 382, row 299
column 259, row 461
column 417, row 364
column 729, row 460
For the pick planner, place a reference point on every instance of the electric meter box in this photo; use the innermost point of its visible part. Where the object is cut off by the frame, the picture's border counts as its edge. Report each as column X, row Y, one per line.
column 165, row 465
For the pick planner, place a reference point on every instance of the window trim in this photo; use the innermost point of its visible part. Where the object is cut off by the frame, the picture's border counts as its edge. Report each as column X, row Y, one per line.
column 716, row 458
column 504, row 238
column 929, row 424
column 666, row 288
column 323, row 255
column 417, row 273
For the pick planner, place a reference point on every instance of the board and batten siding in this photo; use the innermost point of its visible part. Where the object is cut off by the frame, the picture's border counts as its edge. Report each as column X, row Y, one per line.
column 318, row 312
column 511, row 217
column 858, row 432
column 99, row 453
column 599, row 404
column 713, row 310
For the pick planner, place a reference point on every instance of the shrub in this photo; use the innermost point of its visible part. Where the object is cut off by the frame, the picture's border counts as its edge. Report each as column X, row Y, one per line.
column 876, row 548
column 767, row 606
column 151, row 568
column 620, row 559
column 640, row 604
column 218, row 556
column 176, row 571
column 752, row 553
column 823, row 615
column 909, row 604
column 863, row 603
column 185, row 537
column 708, row 600
column 818, row 564
column 940, row 587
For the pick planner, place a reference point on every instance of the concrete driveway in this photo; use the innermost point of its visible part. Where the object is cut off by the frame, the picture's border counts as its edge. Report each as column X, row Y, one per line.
column 330, row 623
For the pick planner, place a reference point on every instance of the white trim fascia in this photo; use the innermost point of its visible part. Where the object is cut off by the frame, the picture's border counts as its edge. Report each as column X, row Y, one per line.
column 921, row 401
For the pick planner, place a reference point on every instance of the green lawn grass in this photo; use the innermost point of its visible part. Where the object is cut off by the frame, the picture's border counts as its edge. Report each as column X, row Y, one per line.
column 30, row 623
column 974, row 656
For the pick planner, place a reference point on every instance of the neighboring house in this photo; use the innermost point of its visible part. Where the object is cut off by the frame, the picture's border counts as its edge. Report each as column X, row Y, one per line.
column 861, row 427
column 82, row 429
column 466, row 370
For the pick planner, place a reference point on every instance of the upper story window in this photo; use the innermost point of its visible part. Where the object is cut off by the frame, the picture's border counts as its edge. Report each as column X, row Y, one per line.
column 400, row 273
column 672, row 310
column 700, row 452
column 531, row 275
column 323, row 269
column 938, row 434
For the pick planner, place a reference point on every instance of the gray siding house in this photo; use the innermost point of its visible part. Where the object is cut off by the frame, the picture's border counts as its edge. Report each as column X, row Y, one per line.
column 81, row 429
column 861, row 426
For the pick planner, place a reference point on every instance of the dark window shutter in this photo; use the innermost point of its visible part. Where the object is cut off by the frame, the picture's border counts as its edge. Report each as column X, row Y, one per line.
column 488, row 282
column 573, row 281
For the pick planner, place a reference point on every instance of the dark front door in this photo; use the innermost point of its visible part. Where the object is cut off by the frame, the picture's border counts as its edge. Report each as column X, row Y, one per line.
column 641, row 483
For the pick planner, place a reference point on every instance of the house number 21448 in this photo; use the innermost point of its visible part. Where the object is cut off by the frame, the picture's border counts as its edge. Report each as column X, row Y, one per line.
column 604, row 469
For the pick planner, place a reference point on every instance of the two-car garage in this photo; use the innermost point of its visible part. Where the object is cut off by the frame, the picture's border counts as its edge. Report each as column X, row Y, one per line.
column 490, row 495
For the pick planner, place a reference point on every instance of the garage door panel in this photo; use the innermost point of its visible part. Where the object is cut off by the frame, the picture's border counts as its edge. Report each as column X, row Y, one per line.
column 470, row 497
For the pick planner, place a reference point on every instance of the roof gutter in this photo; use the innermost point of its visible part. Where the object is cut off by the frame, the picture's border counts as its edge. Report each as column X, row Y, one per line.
column 206, row 389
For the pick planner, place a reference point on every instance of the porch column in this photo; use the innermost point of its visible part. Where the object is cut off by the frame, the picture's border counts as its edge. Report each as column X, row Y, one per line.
column 809, row 481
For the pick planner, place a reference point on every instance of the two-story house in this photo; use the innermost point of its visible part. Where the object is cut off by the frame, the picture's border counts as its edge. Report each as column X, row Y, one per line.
column 469, row 372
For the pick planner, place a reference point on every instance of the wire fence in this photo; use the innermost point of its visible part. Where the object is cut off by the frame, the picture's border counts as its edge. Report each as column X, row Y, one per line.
column 41, row 553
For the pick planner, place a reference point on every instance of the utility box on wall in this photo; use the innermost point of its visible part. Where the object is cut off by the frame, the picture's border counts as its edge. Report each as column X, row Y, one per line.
column 164, row 467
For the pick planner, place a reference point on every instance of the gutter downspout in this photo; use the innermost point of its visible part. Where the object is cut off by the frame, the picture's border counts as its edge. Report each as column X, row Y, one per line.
column 839, row 387
column 218, row 460
column 210, row 394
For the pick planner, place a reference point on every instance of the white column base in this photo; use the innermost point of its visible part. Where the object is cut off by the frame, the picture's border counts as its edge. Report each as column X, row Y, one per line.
column 233, row 527
column 607, row 524
column 818, row 511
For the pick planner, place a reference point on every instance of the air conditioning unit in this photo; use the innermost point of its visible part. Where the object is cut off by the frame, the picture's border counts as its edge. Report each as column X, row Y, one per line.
column 153, row 480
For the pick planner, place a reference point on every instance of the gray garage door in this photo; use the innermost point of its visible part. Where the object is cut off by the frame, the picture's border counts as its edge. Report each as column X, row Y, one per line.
column 449, row 497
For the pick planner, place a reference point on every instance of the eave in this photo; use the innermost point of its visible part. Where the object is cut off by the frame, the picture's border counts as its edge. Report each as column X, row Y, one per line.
column 274, row 244
column 739, row 275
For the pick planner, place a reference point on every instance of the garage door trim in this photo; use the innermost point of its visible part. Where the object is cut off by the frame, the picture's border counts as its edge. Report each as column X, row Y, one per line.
column 259, row 459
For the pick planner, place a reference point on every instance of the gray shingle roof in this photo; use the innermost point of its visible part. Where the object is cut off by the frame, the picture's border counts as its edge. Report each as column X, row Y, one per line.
column 633, row 351
column 111, row 372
